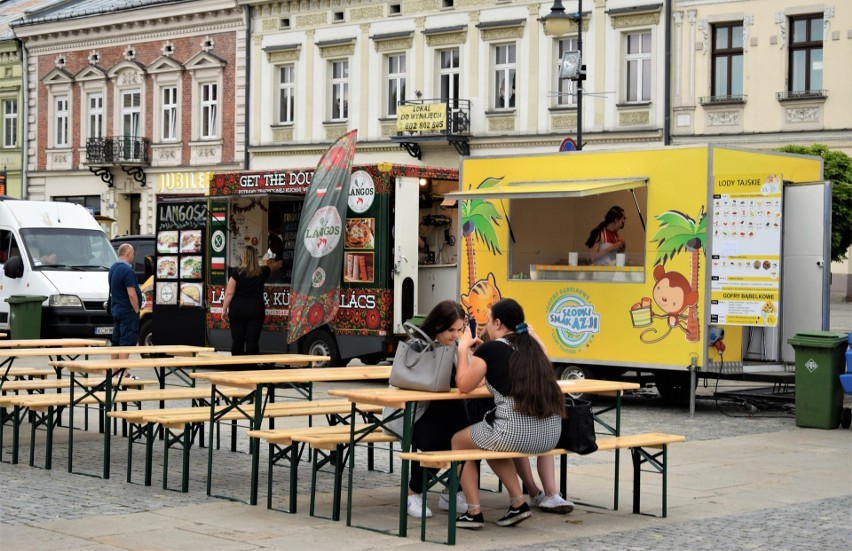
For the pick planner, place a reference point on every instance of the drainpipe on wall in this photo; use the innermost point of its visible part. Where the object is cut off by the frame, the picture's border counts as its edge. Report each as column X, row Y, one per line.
column 248, row 90
column 667, row 118
column 22, row 54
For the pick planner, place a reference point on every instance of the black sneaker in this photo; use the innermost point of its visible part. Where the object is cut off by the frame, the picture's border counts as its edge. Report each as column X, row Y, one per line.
column 471, row 522
column 515, row 515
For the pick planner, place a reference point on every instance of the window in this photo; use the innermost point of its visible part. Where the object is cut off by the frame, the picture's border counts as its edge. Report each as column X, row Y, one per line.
column 61, row 119
column 8, row 246
column 727, row 78
column 567, row 88
column 169, row 120
column 339, row 90
column 286, row 93
column 131, row 108
column 396, row 82
column 92, row 203
column 504, row 76
column 638, row 67
column 209, row 104
column 96, row 116
column 450, row 74
column 805, row 53
column 10, row 123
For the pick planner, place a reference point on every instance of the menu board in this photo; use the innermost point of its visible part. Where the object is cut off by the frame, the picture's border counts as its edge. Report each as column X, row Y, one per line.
column 179, row 270
column 745, row 264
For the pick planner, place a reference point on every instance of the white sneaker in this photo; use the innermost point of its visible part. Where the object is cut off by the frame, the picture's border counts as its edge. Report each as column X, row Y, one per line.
column 415, row 506
column 555, row 504
column 444, row 503
column 536, row 500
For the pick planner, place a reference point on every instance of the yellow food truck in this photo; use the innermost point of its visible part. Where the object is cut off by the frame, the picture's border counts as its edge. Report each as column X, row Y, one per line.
column 724, row 250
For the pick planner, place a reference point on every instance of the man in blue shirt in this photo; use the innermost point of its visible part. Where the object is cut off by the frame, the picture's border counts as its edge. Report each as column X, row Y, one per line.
column 126, row 298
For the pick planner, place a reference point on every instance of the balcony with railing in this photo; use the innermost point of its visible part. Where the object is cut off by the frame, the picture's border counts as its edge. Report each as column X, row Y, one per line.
column 426, row 120
column 128, row 152
column 722, row 100
column 801, row 95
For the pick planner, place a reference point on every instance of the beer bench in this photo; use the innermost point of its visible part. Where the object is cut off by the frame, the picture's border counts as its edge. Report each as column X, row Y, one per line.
column 182, row 425
column 638, row 444
column 329, row 444
column 50, row 406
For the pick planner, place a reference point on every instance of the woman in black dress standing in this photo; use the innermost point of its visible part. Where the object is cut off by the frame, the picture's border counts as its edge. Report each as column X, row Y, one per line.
column 244, row 305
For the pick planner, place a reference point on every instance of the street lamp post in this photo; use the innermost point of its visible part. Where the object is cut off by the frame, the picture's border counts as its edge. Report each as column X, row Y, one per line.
column 558, row 23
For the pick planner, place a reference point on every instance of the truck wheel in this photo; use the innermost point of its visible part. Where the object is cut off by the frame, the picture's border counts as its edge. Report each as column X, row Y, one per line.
column 321, row 343
column 146, row 336
column 846, row 418
column 673, row 387
column 573, row 372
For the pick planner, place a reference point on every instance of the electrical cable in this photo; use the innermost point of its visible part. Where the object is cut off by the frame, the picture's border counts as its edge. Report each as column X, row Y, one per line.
column 752, row 408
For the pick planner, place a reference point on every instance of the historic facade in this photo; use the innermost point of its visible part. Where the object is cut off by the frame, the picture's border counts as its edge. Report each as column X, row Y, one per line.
column 761, row 73
column 130, row 103
column 321, row 68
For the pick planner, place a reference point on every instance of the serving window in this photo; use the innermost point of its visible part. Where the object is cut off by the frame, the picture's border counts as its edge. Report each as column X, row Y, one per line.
column 550, row 237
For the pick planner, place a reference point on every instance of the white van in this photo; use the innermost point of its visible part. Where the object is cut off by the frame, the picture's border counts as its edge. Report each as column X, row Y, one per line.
column 57, row 250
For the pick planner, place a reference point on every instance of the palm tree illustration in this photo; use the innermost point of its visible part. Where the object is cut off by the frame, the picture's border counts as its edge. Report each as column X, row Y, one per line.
column 679, row 231
column 479, row 219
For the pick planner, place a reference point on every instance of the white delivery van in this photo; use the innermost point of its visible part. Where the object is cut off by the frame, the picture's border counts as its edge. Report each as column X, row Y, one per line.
column 57, row 250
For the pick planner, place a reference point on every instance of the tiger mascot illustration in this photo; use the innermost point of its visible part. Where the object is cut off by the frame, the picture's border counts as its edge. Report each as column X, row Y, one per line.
column 478, row 302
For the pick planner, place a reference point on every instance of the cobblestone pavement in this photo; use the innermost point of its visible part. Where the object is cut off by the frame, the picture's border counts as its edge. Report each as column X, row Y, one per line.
column 39, row 506
column 817, row 525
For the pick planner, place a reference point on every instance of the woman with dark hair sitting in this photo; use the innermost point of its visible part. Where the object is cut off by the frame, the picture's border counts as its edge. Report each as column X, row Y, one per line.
column 604, row 242
column 529, row 405
column 435, row 422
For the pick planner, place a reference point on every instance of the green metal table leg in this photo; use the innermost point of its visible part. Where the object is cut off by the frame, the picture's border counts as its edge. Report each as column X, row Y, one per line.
column 149, row 452
column 354, row 410
column 71, row 423
column 254, row 444
column 187, row 442
column 404, row 469
column 108, row 428
column 665, row 477
column 617, row 451
column 210, row 428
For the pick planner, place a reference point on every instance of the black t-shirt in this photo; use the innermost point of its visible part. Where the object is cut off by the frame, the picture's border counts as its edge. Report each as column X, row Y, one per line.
column 250, row 289
column 496, row 354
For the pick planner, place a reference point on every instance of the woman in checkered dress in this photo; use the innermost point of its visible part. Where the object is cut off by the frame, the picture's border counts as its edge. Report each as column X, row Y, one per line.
column 529, row 406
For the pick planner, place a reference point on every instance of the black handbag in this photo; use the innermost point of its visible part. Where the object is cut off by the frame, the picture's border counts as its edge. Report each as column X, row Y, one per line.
column 578, row 427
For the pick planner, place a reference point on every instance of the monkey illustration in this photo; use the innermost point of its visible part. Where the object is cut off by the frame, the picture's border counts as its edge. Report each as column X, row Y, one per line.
column 673, row 295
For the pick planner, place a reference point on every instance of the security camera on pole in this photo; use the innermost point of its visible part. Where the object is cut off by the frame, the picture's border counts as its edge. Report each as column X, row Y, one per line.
column 571, row 67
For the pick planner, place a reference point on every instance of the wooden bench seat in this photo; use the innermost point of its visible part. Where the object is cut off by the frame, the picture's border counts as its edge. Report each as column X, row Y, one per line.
column 51, row 384
column 636, row 443
column 50, row 404
column 283, row 445
column 175, row 420
column 21, row 372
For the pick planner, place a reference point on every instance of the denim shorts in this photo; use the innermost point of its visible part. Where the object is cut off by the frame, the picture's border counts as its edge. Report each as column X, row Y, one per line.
column 125, row 331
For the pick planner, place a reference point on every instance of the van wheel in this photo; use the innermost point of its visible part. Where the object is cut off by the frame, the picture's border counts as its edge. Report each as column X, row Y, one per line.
column 321, row 343
column 573, row 373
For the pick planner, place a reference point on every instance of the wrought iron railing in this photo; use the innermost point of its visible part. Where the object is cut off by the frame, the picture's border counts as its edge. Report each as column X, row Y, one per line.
column 457, row 120
column 117, row 150
column 715, row 100
column 801, row 94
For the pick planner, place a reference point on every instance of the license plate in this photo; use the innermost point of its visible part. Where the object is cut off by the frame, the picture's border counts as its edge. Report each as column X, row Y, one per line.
column 103, row 330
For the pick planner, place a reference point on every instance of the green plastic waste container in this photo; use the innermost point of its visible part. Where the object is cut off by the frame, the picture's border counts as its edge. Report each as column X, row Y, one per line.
column 820, row 359
column 25, row 316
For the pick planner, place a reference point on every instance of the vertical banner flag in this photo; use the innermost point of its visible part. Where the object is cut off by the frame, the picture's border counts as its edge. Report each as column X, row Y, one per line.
column 318, row 261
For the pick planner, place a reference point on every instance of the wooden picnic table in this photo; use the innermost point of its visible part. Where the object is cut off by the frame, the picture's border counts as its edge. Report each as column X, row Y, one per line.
column 403, row 401
column 105, row 368
column 12, row 349
column 57, row 352
column 265, row 381
column 36, row 343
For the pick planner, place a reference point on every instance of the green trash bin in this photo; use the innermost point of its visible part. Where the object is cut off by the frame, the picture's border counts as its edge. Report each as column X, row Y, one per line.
column 25, row 315
column 820, row 359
